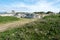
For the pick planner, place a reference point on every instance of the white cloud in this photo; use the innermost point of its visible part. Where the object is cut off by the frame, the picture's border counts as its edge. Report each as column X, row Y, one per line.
column 41, row 5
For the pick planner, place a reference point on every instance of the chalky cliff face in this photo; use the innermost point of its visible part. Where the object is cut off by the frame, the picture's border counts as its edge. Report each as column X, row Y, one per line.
column 26, row 14
column 6, row 14
column 21, row 14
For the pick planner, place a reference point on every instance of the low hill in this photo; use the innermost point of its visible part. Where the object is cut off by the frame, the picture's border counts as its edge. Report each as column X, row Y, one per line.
column 47, row 28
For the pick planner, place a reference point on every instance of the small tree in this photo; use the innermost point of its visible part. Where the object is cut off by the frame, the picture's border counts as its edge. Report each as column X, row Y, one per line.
column 49, row 12
column 59, row 12
column 39, row 12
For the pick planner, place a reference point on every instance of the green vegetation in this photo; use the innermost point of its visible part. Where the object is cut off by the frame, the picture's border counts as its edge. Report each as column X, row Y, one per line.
column 47, row 28
column 39, row 12
column 5, row 19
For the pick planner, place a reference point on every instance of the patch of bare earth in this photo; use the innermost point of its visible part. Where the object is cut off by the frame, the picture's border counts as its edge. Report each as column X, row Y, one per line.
column 6, row 26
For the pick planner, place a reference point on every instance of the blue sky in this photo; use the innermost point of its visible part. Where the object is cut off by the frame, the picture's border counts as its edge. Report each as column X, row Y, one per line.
column 30, row 5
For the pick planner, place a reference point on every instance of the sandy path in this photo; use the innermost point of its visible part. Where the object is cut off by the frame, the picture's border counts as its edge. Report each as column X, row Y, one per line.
column 6, row 26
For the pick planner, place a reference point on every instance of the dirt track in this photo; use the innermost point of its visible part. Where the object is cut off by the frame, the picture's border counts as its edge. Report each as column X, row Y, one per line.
column 6, row 26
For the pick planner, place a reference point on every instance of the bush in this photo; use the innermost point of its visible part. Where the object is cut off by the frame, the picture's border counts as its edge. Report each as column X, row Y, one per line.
column 39, row 30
